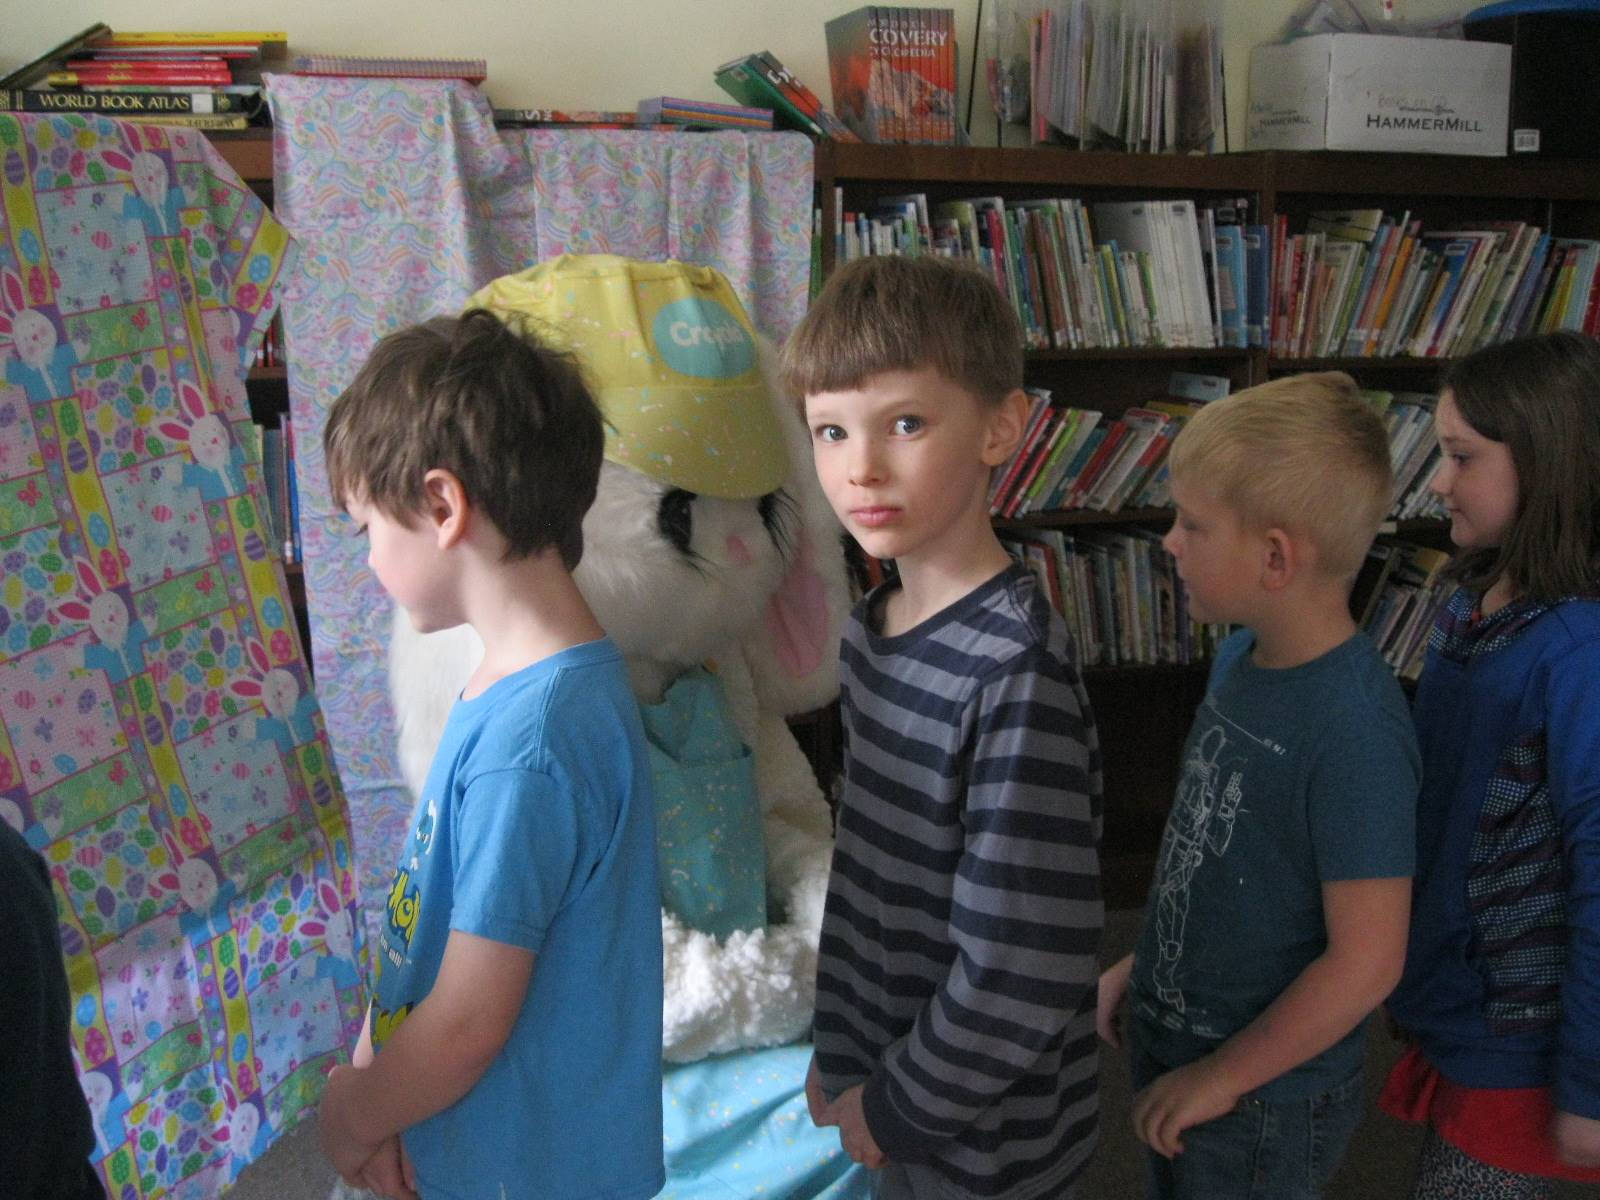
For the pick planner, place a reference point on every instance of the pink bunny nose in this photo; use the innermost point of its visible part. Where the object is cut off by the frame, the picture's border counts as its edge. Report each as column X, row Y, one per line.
column 738, row 551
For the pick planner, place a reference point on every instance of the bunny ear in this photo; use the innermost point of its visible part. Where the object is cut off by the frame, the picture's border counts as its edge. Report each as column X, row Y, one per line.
column 175, row 431
column 313, row 928
column 193, row 399
column 15, row 297
column 245, row 687
column 258, row 655
column 329, row 895
column 74, row 610
column 87, row 577
column 172, row 846
column 117, row 160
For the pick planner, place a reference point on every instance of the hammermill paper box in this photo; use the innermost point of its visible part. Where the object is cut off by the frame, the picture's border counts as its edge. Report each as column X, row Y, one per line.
column 1357, row 91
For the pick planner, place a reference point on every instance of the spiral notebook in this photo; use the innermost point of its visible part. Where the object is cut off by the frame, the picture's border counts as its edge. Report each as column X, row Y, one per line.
column 473, row 70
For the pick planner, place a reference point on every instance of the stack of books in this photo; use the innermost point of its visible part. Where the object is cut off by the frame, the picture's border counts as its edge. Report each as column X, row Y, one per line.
column 759, row 80
column 1397, row 597
column 1111, row 274
column 1413, row 452
column 208, row 79
column 701, row 114
column 1364, row 283
column 1074, row 458
column 894, row 73
column 1125, row 75
column 273, row 454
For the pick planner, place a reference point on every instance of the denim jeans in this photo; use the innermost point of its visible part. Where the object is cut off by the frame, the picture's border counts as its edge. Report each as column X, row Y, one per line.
column 1262, row 1150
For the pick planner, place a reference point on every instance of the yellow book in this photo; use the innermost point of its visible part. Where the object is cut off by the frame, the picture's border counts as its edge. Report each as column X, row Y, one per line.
column 191, row 37
column 208, row 121
column 1381, row 317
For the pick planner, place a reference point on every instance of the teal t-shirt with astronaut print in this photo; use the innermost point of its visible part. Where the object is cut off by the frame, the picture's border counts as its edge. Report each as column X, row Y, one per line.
column 1291, row 778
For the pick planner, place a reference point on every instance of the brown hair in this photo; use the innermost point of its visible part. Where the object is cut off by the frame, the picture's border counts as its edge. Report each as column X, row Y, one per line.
column 505, row 414
column 1305, row 454
column 903, row 314
column 1540, row 396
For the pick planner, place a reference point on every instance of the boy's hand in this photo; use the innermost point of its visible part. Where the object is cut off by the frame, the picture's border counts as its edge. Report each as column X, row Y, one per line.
column 335, row 1125
column 1577, row 1139
column 1191, row 1095
column 816, row 1102
column 1108, row 1001
column 854, row 1136
column 388, row 1172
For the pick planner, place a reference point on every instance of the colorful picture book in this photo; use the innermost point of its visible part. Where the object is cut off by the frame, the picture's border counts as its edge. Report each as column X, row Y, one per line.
column 759, row 80
column 894, row 73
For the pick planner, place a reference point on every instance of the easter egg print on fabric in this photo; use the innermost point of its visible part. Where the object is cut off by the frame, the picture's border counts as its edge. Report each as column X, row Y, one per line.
column 160, row 745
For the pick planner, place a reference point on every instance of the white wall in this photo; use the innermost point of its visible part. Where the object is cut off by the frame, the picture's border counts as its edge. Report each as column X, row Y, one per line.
column 584, row 53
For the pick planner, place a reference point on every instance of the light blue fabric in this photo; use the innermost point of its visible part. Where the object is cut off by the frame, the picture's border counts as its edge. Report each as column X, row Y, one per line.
column 708, row 818
column 736, row 1127
column 536, row 828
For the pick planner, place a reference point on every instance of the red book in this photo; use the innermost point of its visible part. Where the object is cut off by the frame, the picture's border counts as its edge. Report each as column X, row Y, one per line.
column 1043, row 443
column 196, row 75
column 1036, row 417
column 1103, row 454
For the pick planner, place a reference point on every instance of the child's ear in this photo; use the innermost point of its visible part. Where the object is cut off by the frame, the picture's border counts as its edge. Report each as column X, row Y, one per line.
column 1007, row 423
column 445, row 506
column 1281, row 559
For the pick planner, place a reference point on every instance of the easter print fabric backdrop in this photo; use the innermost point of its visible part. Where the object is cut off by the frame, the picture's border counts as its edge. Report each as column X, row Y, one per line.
column 159, row 742
column 406, row 199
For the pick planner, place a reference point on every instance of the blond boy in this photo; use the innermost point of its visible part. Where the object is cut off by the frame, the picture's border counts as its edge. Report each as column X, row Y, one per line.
column 954, row 1041
column 516, row 1015
column 1277, row 917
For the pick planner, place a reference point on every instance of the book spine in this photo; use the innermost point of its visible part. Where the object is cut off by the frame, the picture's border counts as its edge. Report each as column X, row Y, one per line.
column 122, row 103
column 189, row 37
column 197, row 76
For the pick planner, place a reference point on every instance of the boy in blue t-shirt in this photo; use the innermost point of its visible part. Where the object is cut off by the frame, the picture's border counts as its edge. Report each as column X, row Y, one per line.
column 513, row 1048
column 1277, row 916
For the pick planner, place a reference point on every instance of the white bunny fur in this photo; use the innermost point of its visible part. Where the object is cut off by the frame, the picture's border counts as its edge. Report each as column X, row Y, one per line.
column 667, row 615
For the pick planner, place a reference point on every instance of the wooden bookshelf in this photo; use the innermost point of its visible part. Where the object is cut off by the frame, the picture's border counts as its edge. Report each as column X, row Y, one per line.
column 1144, row 712
column 248, row 152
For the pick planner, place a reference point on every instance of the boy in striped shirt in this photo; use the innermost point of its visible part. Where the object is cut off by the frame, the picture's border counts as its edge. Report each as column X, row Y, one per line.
column 954, row 1032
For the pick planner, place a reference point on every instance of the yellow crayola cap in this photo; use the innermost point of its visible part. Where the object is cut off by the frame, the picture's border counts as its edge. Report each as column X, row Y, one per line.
column 671, row 358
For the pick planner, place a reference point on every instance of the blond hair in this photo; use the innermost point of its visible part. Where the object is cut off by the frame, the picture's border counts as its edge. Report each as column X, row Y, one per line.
column 903, row 314
column 1305, row 454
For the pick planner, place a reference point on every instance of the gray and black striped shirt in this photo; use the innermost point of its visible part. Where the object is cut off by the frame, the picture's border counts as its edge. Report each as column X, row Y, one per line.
column 957, row 969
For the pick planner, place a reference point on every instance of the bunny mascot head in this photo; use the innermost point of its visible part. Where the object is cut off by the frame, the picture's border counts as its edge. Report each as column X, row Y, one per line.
column 712, row 559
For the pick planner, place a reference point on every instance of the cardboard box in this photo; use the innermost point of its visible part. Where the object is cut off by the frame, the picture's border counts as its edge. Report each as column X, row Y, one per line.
column 1357, row 91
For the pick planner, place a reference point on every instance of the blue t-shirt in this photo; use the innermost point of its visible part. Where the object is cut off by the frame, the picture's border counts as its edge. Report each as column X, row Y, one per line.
column 1290, row 779
column 536, row 828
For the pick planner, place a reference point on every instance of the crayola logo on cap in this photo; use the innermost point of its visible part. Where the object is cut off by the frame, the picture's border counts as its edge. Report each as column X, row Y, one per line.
column 697, row 336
